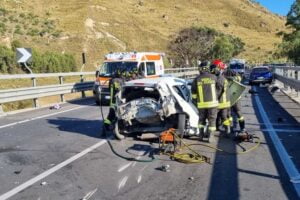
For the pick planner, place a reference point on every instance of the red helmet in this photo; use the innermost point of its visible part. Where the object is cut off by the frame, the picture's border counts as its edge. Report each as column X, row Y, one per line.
column 219, row 64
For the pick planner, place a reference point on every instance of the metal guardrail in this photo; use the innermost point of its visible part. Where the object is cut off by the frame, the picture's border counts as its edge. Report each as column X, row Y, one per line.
column 42, row 91
column 288, row 76
column 46, row 75
column 35, row 92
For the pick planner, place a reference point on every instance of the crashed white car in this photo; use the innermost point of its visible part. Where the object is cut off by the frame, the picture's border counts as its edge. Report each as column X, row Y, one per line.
column 154, row 105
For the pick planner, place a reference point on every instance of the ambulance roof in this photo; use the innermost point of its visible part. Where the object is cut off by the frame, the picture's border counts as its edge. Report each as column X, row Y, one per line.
column 130, row 56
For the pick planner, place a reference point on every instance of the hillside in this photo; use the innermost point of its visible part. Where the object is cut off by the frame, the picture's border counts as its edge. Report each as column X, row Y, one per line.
column 100, row 26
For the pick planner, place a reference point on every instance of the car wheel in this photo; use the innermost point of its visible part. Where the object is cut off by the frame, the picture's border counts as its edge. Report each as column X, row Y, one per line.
column 181, row 124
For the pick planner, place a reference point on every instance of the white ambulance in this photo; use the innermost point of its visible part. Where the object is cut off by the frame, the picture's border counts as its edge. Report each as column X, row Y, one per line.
column 147, row 64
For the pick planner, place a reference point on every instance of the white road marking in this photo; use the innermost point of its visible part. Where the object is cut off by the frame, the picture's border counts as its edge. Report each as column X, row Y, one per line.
column 122, row 183
column 90, row 194
column 50, row 171
column 285, row 159
column 122, row 168
column 43, row 116
column 139, row 178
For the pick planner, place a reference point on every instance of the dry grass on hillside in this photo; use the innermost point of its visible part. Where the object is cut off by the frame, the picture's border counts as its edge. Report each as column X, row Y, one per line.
column 100, row 26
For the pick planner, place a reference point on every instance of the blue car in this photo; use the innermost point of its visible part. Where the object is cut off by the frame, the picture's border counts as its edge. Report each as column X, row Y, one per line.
column 260, row 75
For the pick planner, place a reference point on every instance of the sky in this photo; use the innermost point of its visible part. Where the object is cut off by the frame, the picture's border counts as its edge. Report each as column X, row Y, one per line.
column 281, row 7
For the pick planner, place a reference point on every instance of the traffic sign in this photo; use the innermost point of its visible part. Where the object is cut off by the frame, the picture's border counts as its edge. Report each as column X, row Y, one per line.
column 23, row 55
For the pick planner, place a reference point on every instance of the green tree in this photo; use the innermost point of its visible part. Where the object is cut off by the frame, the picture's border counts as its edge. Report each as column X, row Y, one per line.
column 191, row 44
column 293, row 17
column 223, row 48
column 290, row 46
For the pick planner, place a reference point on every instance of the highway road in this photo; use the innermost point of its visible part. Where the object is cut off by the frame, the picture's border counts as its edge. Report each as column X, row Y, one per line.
column 62, row 155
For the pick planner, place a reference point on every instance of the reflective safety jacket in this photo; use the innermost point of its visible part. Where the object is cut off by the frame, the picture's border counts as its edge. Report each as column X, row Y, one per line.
column 224, row 100
column 115, row 86
column 204, row 91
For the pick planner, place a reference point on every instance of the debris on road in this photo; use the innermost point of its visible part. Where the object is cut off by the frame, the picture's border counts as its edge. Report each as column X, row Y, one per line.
column 165, row 168
column 44, row 183
column 18, row 172
column 55, row 107
column 191, row 178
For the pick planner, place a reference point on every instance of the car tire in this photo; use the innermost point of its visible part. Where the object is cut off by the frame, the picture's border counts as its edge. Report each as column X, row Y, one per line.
column 181, row 124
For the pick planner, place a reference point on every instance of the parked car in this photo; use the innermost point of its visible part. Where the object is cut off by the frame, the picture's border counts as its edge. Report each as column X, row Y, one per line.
column 154, row 105
column 261, row 74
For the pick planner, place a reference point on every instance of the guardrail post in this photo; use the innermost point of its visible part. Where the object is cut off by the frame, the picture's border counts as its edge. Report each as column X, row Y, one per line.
column 35, row 101
column 61, row 81
column 82, row 92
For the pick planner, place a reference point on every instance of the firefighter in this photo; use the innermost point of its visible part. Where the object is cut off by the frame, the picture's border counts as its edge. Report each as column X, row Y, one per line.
column 205, row 97
column 115, row 84
column 236, row 108
column 223, row 115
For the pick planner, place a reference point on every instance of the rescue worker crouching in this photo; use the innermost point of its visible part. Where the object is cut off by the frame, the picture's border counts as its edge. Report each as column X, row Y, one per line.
column 223, row 114
column 205, row 97
column 236, row 109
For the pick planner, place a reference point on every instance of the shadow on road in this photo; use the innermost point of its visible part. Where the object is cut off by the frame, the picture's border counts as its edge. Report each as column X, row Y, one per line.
column 273, row 113
column 91, row 128
column 84, row 102
column 224, row 180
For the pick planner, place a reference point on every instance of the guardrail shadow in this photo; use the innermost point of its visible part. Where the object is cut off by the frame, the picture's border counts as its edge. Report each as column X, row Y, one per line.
column 91, row 128
column 87, row 101
column 272, row 113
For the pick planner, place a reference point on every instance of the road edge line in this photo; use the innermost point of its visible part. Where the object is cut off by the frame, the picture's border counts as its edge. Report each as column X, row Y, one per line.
column 284, row 157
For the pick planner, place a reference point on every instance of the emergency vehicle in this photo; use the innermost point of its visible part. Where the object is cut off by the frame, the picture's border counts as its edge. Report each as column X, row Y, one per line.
column 238, row 65
column 146, row 64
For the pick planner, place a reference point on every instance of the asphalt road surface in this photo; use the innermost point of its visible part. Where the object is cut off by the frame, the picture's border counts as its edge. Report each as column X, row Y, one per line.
column 61, row 154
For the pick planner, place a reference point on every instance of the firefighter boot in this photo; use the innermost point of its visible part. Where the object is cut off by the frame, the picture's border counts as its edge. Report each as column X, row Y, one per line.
column 242, row 125
column 211, row 135
column 201, row 133
column 227, row 131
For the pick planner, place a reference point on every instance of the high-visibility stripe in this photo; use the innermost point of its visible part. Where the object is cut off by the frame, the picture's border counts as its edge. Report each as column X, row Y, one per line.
column 223, row 105
column 214, row 95
column 209, row 104
column 212, row 128
column 226, row 122
column 194, row 96
column 200, row 93
column 107, row 121
column 241, row 118
column 201, row 126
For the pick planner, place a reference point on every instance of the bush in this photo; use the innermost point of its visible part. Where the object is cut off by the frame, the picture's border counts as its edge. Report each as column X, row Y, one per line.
column 47, row 62
column 3, row 12
column 33, row 32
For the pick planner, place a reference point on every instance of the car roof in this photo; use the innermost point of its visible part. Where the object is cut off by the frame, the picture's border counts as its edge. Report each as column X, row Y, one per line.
column 151, row 82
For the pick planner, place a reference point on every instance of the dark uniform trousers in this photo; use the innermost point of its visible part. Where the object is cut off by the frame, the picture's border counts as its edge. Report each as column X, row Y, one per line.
column 115, row 85
column 223, row 116
column 205, row 97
